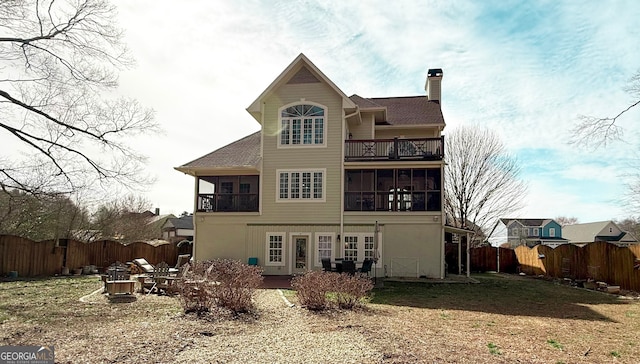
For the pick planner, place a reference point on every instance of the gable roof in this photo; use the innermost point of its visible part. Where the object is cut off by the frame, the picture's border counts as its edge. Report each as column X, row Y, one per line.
column 243, row 153
column 405, row 110
column 528, row 222
column 587, row 232
column 183, row 222
column 311, row 71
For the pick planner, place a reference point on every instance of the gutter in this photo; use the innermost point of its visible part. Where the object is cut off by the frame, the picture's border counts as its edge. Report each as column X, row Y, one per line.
column 342, row 171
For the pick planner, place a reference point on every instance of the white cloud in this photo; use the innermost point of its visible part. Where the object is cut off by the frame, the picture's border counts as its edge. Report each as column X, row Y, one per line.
column 525, row 70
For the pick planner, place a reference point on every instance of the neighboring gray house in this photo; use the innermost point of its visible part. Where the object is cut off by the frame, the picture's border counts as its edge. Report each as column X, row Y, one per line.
column 607, row 231
column 178, row 228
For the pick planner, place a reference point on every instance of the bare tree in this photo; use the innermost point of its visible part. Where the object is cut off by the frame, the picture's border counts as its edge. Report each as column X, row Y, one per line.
column 59, row 64
column 481, row 178
column 40, row 218
column 564, row 220
column 594, row 132
column 126, row 219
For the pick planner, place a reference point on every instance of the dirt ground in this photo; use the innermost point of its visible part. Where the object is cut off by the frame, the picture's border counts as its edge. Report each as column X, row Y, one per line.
column 490, row 322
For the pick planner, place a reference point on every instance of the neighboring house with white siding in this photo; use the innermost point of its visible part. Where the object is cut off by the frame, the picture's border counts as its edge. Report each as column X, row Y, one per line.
column 607, row 231
column 327, row 176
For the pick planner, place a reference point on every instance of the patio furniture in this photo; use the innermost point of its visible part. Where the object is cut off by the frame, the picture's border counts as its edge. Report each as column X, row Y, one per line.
column 182, row 260
column 117, row 280
column 349, row 267
column 366, row 266
column 160, row 280
column 146, row 267
column 326, row 265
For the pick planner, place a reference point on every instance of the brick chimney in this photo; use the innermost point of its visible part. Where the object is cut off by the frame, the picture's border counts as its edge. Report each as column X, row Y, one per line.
column 434, row 79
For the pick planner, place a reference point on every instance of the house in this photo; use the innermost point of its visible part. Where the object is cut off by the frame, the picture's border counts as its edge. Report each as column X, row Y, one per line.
column 327, row 176
column 533, row 232
column 177, row 229
column 606, row 231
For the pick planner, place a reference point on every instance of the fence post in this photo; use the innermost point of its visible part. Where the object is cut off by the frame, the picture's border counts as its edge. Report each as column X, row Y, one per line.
column 498, row 265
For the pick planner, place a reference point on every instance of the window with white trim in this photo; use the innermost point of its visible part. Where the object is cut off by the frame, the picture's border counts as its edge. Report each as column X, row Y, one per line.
column 302, row 185
column 324, row 247
column 360, row 247
column 552, row 232
column 302, row 124
column 275, row 249
column 368, row 247
column 351, row 247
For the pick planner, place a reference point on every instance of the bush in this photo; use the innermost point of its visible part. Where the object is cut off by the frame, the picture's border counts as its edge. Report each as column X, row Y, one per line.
column 351, row 290
column 224, row 283
column 195, row 290
column 236, row 283
column 312, row 289
column 315, row 289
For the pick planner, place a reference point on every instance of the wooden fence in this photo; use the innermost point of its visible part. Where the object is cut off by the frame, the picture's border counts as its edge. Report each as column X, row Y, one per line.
column 483, row 259
column 599, row 261
column 30, row 258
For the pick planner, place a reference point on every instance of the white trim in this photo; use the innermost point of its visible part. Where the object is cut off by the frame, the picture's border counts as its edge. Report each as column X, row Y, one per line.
column 300, row 199
column 292, row 250
column 282, row 263
column 552, row 232
column 316, row 251
column 361, row 244
column 325, row 109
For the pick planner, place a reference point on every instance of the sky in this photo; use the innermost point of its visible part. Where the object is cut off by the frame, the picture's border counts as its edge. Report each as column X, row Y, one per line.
column 524, row 69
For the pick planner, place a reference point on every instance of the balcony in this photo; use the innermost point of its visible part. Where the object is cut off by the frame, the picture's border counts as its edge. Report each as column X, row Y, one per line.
column 228, row 202
column 410, row 149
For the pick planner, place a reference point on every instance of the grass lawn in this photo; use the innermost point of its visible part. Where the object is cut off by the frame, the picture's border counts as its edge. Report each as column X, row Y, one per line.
column 504, row 319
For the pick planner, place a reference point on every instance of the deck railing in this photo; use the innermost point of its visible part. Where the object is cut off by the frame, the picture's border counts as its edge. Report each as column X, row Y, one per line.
column 394, row 149
column 228, row 202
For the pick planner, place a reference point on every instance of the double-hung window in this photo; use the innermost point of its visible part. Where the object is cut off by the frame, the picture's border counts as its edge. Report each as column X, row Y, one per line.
column 324, row 247
column 275, row 249
column 302, row 125
column 301, row 185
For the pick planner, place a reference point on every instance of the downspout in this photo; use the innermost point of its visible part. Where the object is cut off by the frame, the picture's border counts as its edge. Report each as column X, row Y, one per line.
column 195, row 223
column 443, row 219
column 343, row 136
column 468, row 257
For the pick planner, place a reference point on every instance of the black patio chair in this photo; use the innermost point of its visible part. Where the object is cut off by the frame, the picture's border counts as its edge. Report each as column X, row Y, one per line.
column 366, row 267
column 326, row 265
column 349, row 267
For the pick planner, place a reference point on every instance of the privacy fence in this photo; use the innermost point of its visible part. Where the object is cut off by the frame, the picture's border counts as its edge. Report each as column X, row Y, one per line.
column 598, row 261
column 30, row 258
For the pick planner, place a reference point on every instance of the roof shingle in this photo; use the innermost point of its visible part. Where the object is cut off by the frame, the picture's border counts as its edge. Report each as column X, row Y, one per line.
column 408, row 110
column 244, row 152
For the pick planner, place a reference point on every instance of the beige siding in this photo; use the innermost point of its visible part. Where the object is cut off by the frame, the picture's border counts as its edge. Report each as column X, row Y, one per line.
column 328, row 157
column 362, row 130
column 413, row 250
column 407, row 133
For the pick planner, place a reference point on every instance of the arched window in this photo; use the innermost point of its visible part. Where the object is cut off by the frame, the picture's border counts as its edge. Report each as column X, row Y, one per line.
column 302, row 125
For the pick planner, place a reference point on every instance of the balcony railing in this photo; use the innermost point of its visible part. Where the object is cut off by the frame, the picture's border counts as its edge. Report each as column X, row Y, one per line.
column 228, row 202
column 394, row 149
